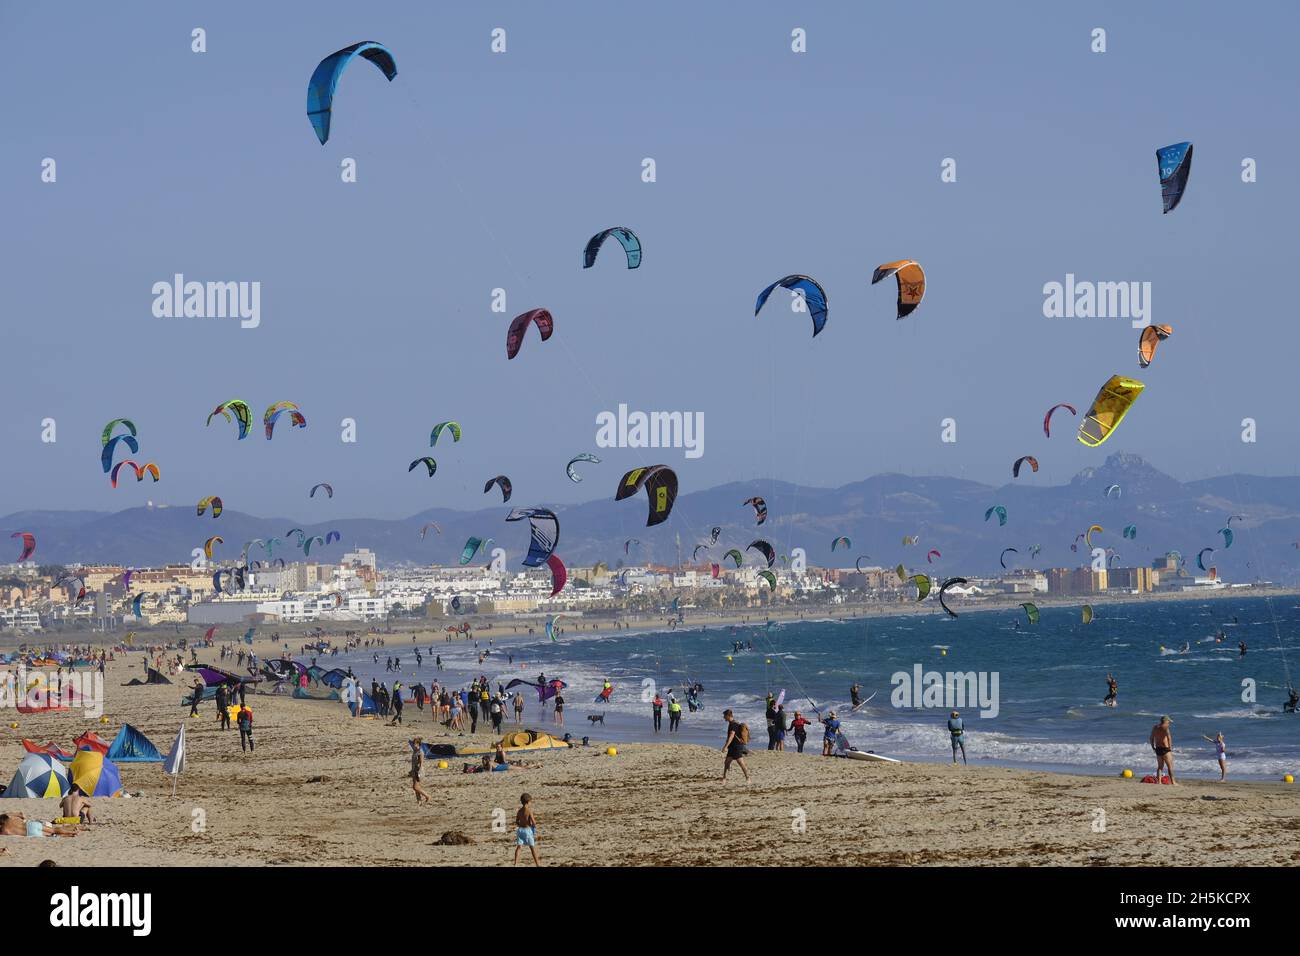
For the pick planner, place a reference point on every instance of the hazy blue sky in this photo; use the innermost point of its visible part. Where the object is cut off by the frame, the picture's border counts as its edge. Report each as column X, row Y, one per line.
column 479, row 170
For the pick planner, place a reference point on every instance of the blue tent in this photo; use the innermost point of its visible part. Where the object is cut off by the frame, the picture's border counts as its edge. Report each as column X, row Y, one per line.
column 367, row 704
column 131, row 746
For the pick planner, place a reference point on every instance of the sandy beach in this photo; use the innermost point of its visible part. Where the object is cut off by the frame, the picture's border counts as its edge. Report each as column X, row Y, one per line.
column 651, row 804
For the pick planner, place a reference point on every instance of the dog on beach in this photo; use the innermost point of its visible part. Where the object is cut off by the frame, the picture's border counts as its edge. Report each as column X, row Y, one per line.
column 596, row 719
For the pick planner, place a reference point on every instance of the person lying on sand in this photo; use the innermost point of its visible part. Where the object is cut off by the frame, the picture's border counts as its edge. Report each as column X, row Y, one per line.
column 16, row 824
column 501, row 760
column 75, row 804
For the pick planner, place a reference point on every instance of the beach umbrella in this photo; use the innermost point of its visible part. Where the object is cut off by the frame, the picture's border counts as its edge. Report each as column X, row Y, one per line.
column 95, row 774
column 39, row 775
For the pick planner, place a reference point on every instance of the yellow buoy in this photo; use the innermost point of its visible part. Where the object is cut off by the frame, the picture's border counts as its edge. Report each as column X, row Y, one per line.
column 612, row 751
column 14, row 725
column 943, row 652
column 1288, row 779
column 442, row 765
column 1127, row 773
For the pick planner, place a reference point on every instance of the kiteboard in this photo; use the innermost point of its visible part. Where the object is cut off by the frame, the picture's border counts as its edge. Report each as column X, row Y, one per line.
column 867, row 755
column 864, row 702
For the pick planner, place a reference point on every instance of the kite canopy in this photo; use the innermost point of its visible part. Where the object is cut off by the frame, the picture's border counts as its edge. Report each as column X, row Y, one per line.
column 660, row 483
column 1175, row 165
column 626, row 237
column 814, row 297
column 29, row 544
column 1109, row 408
column 38, row 775
column 911, row 283
column 559, row 574
column 545, row 530
column 325, row 79
column 1148, row 341
column 1047, row 419
column 542, row 318
column 502, row 482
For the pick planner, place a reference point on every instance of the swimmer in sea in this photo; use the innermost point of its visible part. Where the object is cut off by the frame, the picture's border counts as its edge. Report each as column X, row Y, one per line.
column 1242, row 648
column 1293, row 700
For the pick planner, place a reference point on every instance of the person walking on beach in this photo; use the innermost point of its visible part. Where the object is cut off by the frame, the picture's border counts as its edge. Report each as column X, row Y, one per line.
column 245, row 721
column 223, row 702
column 831, row 724
column 397, row 705
column 674, row 714
column 1220, row 752
column 198, row 696
column 737, row 738
column 800, row 727
column 779, row 727
column 770, row 717
column 519, row 708
column 957, row 731
column 497, row 713
column 657, row 711
column 526, row 829
column 559, row 709
column 417, row 770
column 1162, row 742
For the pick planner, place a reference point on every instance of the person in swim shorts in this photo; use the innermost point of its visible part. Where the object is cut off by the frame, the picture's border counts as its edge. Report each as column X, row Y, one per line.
column 526, row 828
column 1162, row 742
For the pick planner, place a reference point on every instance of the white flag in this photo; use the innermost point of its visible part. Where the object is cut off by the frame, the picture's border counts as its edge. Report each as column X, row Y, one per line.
column 175, row 761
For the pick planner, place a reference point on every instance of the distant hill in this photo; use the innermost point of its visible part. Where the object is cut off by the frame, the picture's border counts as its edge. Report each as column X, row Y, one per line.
column 875, row 513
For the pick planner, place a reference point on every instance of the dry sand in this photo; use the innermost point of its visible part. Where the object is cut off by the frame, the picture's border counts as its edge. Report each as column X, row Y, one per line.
column 651, row 804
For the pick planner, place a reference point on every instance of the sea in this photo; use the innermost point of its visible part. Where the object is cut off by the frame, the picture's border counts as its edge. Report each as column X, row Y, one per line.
column 1043, row 683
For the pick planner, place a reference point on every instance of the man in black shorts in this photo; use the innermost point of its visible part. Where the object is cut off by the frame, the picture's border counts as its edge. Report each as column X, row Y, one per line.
column 737, row 736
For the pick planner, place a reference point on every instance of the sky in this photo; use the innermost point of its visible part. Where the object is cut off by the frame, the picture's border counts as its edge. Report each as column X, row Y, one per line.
column 479, row 170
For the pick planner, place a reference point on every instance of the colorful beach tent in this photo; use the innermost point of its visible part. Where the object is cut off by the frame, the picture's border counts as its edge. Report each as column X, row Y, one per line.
column 131, row 746
column 95, row 774
column 367, row 704
column 39, row 775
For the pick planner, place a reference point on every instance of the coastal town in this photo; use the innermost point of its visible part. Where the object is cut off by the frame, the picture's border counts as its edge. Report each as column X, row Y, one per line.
column 358, row 589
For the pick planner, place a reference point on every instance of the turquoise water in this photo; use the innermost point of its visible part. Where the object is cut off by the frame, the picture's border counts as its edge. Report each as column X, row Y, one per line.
column 1050, row 682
